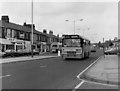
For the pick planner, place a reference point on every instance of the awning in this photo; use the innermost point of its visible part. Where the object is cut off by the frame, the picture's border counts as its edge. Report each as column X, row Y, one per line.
column 5, row 41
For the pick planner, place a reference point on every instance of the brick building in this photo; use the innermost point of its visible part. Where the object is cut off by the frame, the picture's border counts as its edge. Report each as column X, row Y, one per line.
column 15, row 37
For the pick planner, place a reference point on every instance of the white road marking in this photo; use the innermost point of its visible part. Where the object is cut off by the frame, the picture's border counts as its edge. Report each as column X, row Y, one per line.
column 79, row 84
column 87, row 68
column 5, row 76
column 102, row 83
column 83, row 81
column 83, row 72
column 42, row 66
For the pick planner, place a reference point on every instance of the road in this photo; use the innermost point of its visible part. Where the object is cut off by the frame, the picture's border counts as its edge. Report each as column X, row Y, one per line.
column 50, row 73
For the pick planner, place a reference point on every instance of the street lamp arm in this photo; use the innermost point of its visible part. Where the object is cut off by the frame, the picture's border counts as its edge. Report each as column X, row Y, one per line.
column 74, row 21
column 81, row 19
column 66, row 20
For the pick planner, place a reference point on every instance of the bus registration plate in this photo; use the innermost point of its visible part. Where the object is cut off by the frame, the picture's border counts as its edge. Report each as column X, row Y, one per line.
column 71, row 53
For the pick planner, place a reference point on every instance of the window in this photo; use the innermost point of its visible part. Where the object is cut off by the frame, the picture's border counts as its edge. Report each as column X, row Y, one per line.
column 71, row 42
column 9, row 47
column 22, row 35
column 26, row 36
column 17, row 34
column 5, row 32
column 13, row 33
column 19, row 47
column 1, row 32
column 39, row 37
column 35, row 37
column 9, row 33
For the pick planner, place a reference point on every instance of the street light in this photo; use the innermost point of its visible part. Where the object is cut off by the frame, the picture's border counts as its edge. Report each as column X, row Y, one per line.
column 74, row 22
column 32, row 30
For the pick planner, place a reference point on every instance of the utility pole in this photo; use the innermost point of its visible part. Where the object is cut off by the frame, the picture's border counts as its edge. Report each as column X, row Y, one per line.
column 32, row 31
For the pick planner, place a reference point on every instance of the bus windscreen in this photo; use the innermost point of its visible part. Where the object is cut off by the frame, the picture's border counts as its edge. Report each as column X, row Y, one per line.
column 71, row 43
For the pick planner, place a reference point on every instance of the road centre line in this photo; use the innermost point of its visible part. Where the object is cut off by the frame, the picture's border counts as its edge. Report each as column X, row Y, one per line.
column 87, row 68
column 5, row 76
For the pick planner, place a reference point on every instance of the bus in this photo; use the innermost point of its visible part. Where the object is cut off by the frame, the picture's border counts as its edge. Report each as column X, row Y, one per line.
column 55, row 46
column 75, row 46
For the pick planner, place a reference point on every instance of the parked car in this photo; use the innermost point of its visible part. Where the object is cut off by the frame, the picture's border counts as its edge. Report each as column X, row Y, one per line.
column 119, row 49
column 111, row 51
column 2, row 54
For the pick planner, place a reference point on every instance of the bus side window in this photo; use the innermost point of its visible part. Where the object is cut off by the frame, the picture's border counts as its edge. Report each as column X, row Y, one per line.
column 82, row 42
column 89, row 42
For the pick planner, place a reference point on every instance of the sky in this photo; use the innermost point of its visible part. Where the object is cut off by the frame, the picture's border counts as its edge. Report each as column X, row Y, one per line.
column 100, row 19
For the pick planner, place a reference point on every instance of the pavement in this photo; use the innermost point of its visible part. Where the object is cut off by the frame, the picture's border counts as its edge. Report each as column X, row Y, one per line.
column 27, row 58
column 104, row 70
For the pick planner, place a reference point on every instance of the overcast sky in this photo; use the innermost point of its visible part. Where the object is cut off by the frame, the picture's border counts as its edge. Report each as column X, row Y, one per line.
column 100, row 19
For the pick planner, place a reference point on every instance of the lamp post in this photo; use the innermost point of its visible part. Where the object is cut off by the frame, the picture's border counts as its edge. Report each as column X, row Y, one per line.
column 74, row 21
column 32, row 30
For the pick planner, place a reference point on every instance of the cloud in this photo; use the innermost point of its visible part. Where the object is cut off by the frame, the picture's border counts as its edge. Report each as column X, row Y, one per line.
column 100, row 17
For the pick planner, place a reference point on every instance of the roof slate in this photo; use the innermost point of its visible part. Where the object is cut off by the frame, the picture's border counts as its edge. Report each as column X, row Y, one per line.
column 22, row 28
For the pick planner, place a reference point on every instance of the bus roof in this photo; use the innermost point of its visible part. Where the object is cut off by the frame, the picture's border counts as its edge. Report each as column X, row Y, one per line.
column 74, row 36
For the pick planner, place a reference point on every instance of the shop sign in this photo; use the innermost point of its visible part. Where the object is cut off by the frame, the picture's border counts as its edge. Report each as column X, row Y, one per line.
column 11, row 39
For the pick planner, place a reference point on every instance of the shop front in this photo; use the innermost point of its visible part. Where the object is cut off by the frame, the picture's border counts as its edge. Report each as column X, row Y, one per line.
column 6, row 45
column 19, row 45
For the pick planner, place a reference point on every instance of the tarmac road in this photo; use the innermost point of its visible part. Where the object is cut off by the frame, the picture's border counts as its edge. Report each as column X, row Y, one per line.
column 50, row 73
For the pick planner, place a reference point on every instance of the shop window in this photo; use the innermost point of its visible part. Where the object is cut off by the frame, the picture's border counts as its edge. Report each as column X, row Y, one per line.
column 9, row 47
column 19, row 47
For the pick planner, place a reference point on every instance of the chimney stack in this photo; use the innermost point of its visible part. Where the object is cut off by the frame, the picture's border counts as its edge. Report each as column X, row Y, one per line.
column 29, row 25
column 51, row 32
column 45, row 31
column 5, row 18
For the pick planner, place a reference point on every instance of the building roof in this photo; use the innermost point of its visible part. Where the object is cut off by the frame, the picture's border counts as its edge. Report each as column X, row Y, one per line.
column 18, row 27
column 23, row 28
column 14, row 26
